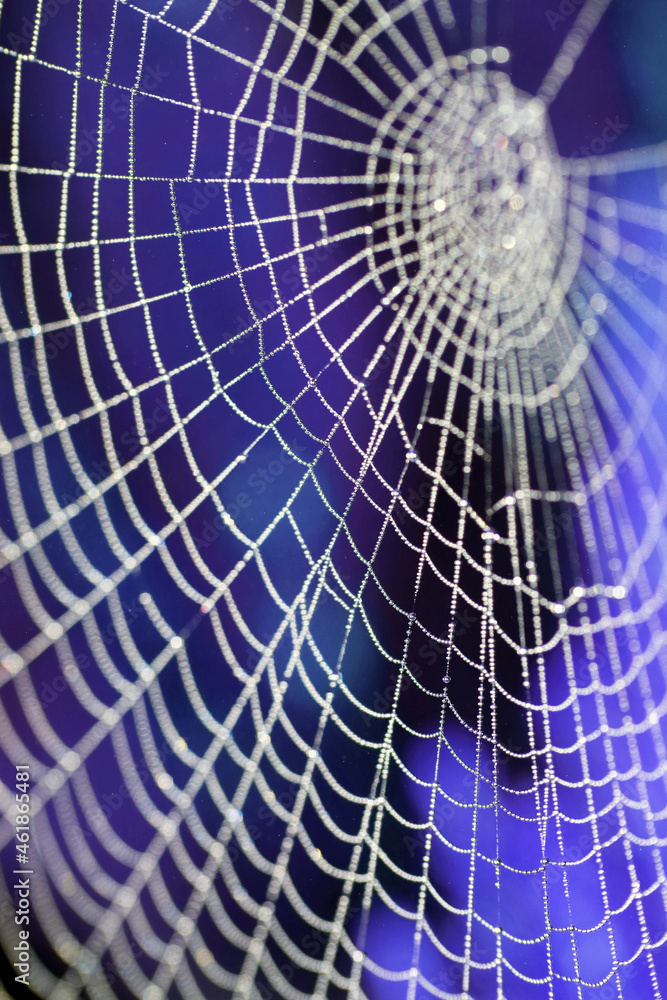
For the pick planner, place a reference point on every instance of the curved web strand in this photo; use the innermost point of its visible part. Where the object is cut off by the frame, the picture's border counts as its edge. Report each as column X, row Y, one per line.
column 332, row 510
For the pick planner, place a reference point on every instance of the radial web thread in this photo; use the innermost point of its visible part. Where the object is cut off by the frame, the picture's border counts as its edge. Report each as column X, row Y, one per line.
column 332, row 509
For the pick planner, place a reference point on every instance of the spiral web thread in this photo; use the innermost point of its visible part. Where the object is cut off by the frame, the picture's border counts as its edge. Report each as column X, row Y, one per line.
column 509, row 305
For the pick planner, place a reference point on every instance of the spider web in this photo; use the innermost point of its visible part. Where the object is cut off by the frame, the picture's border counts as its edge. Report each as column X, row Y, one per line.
column 333, row 448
